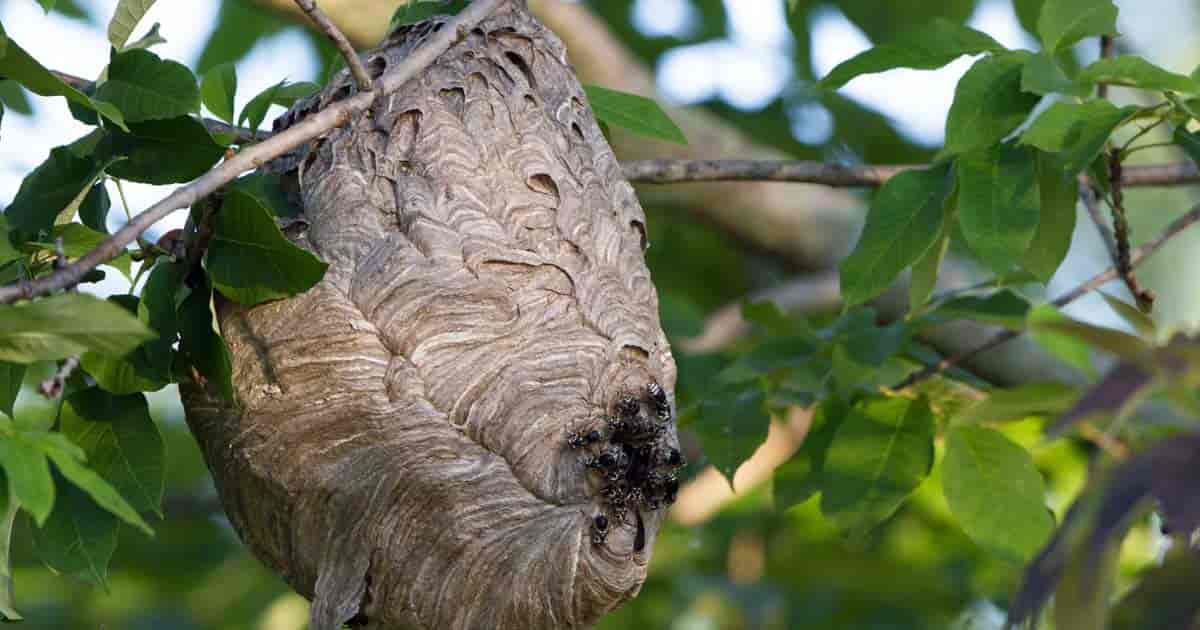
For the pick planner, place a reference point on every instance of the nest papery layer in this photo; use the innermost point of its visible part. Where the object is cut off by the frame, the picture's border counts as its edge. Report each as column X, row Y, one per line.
column 398, row 449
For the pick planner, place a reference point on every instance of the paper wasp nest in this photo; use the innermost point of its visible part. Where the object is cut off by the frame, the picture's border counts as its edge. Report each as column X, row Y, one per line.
column 468, row 422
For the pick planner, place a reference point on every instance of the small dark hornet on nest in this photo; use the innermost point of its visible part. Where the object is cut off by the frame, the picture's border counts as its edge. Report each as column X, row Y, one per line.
column 637, row 466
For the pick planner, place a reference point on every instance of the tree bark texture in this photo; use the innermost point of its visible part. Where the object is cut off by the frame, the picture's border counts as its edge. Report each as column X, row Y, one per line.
column 468, row 422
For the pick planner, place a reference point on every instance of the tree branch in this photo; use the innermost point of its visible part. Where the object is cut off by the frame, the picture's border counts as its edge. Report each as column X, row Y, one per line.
column 1143, row 296
column 361, row 77
column 1138, row 256
column 844, row 176
column 254, row 156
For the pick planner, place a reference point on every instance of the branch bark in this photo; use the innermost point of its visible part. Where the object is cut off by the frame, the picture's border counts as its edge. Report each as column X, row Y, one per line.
column 665, row 171
column 255, row 156
column 361, row 77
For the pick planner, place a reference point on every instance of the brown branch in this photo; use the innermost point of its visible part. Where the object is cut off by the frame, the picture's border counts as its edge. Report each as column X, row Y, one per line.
column 843, row 176
column 1091, row 202
column 357, row 69
column 53, row 387
column 1137, row 257
column 252, row 157
column 1107, row 49
column 241, row 135
column 1144, row 297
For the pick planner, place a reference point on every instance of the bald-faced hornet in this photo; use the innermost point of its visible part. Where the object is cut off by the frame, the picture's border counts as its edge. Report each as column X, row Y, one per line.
column 599, row 529
column 611, row 463
column 662, row 407
column 673, row 458
column 579, row 439
column 627, row 406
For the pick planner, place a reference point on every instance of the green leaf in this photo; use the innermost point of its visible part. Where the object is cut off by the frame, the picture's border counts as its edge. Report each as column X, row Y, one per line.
column 802, row 476
column 78, row 539
column 1062, row 23
column 1059, row 192
column 925, row 274
column 129, row 374
column 149, row 40
column 8, row 515
column 47, row 5
column 925, row 270
column 68, row 459
column 77, row 239
column 995, row 492
column 148, row 367
column 988, row 103
column 1002, row 308
column 289, row 93
column 122, row 443
column 162, row 296
column 28, row 475
column 1189, row 142
column 93, row 212
column 1135, row 317
column 8, row 252
column 256, row 110
column 1043, row 75
column 880, row 454
column 931, row 46
column 1163, row 596
column 1018, row 403
column 1134, row 71
column 1116, row 342
column 64, row 325
column 417, row 10
column 732, row 425
column 636, row 113
column 998, row 204
column 1065, row 347
column 11, row 375
column 145, row 87
column 200, row 344
column 18, row 65
column 218, row 88
column 125, row 19
column 249, row 259
column 267, row 188
column 50, row 188
column 171, row 151
column 904, row 221
column 14, row 98
column 1077, row 131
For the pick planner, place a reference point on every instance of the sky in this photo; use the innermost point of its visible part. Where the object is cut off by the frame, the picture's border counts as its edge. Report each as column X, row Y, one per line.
column 748, row 69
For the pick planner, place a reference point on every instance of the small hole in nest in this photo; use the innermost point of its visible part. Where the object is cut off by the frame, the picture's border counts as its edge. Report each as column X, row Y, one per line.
column 522, row 65
column 376, row 66
column 544, row 184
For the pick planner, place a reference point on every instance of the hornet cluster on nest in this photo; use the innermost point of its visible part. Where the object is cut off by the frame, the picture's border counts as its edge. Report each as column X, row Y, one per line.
column 638, row 471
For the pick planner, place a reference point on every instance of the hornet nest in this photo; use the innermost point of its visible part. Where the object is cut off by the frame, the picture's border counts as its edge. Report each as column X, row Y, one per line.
column 468, row 422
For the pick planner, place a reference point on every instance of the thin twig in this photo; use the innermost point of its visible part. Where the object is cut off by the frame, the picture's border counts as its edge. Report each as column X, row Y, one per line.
column 1091, row 201
column 1136, row 258
column 1120, row 234
column 1144, row 297
column 1107, row 48
column 256, row 155
column 845, row 176
column 52, row 387
column 357, row 69
column 241, row 135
